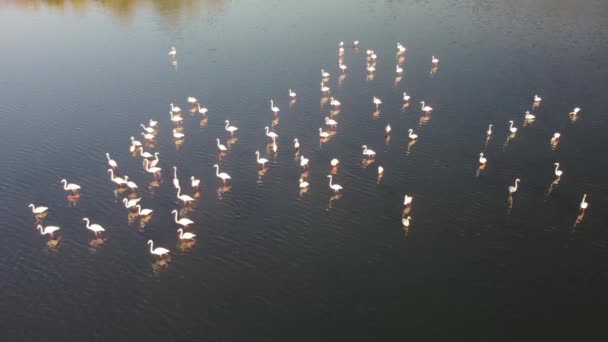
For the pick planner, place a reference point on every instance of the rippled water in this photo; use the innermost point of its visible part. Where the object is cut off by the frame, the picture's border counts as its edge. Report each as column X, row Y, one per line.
column 269, row 263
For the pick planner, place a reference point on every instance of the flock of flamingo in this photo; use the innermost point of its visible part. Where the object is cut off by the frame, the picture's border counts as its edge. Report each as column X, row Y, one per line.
column 151, row 160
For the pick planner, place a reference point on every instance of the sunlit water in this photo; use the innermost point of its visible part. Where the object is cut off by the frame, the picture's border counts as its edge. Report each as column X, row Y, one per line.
column 269, row 263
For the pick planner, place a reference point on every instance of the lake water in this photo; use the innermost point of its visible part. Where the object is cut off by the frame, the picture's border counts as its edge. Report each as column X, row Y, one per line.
column 269, row 263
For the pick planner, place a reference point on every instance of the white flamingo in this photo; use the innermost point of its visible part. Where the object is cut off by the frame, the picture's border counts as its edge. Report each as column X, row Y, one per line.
column 175, row 109
column 304, row 162
column 194, row 182
column 143, row 154
column 331, row 122
column 184, row 198
column 323, row 134
column 370, row 68
column 513, row 188
column 324, row 88
column 192, row 100
column 153, row 170
column 292, row 94
column 223, row 176
column 160, row 251
column 202, row 110
column 529, row 116
column 342, row 67
column 118, row 180
column 425, row 108
column 368, row 152
column 172, row 52
column 435, row 60
column 147, row 129
column 324, row 74
column 377, row 101
column 387, row 129
column 555, row 138
column 303, row 184
column 175, row 179
column 148, row 136
column 221, row 147
column 400, row 48
column 334, row 102
column 407, row 200
column 186, row 235
column 111, row 161
column 380, row 170
column 70, row 186
column 176, row 119
column 38, row 210
column 152, row 123
column 411, row 134
column 398, row 69
column 356, row 44
column 406, row 221
column 130, row 203
column 178, row 135
column 584, row 204
column 558, row 172
column 230, row 129
column 143, row 212
column 482, row 159
column 489, row 131
column 575, row 111
column 271, row 135
column 135, row 143
column 296, row 144
column 335, row 187
column 261, row 161
column 537, row 99
column 334, row 162
column 130, row 184
column 47, row 230
column 184, row 221
column 155, row 161
column 512, row 129
column 406, row 97
column 274, row 108
column 95, row 228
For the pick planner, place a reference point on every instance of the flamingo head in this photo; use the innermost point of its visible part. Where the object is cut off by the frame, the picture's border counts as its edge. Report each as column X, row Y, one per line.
column 31, row 205
column 39, row 227
column 179, row 230
column 216, row 166
column 410, row 131
column 149, row 242
column 63, row 181
column 173, row 211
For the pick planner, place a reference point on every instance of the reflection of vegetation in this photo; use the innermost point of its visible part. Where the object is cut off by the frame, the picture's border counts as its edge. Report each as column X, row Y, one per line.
column 122, row 8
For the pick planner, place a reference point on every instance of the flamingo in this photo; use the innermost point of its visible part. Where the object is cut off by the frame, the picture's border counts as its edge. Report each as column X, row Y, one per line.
column 537, row 99
column 175, row 109
column 184, row 198
column 400, row 48
column 489, row 131
column 111, row 161
column 296, row 144
column 38, row 210
column 513, row 188
column 323, row 134
column 160, row 251
column 407, row 200
column 555, row 138
column 292, row 94
column 373, row 56
column 176, row 119
column 324, row 88
column 387, row 129
column 368, row 152
column 223, row 176
column 184, row 221
column 575, row 111
column 192, row 100
column 130, row 203
column 411, row 134
column 406, row 221
column 229, row 128
column 304, row 162
column 356, row 44
column 274, row 108
column 178, row 135
column 175, row 179
column 341, row 48
column 303, row 184
column 342, row 67
column 482, row 159
column 271, row 135
column 584, row 205
column 376, row 101
column 380, row 170
column 335, row 187
column 194, row 182
column 334, row 162
column 154, row 170
column 130, row 184
column 334, row 102
column 156, row 160
column 324, row 74
column 74, row 188
column 558, row 173
column 152, row 123
column 172, row 52
column 118, row 180
column 398, row 69
column 529, row 116
column 147, row 129
column 261, row 161
column 369, row 52
column 331, row 122
column 435, row 60
column 406, row 97
column 143, row 154
column 425, row 108
column 221, row 147
column 370, row 68
column 512, row 129
column 47, row 230
column 143, row 212
column 185, row 236
column 95, row 228
column 135, row 143
column 201, row 110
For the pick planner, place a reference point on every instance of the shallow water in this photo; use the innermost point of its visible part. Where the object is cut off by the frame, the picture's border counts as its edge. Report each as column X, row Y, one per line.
column 270, row 263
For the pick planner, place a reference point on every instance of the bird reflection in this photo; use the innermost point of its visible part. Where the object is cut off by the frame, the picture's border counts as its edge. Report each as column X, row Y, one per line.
column 232, row 141
column 367, row 162
column 143, row 222
column 341, row 79
column 222, row 190
column 334, row 198
column 185, row 246
column 53, row 244
column 73, row 199
column 480, row 169
column 334, row 112
column 160, row 264
column 552, row 186
column 433, row 71
column 400, row 60
column 131, row 218
column 376, row 114
column 398, row 79
column 275, row 121
column 324, row 100
column 261, row 174
column 424, row 120
column 509, row 203
column 178, row 143
column 409, row 146
column 96, row 243
column 174, row 65
column 203, row 122
column 405, row 106
column 370, row 76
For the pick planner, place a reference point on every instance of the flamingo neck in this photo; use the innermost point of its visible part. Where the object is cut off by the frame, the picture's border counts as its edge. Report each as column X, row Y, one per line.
column 217, row 171
column 151, row 247
column 175, row 212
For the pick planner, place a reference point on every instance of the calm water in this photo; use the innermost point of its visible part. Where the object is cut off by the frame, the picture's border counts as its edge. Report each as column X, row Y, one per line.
column 270, row 265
